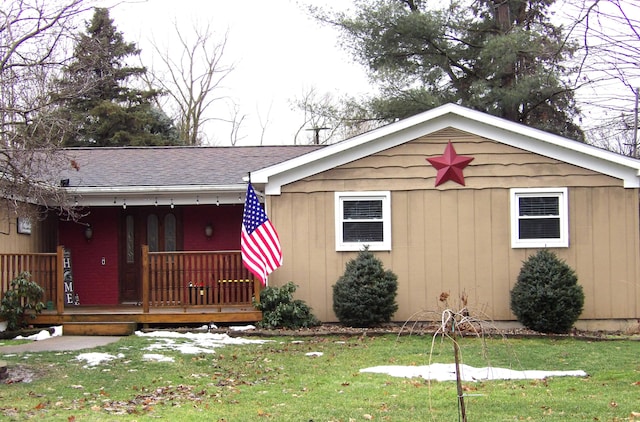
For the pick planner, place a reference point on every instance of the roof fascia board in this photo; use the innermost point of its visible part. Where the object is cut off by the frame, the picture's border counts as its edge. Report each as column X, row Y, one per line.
column 157, row 195
column 569, row 151
column 393, row 129
column 110, row 190
column 451, row 115
column 290, row 172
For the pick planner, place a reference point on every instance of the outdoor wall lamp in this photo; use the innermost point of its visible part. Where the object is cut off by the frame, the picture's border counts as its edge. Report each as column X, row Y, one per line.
column 208, row 230
column 88, row 232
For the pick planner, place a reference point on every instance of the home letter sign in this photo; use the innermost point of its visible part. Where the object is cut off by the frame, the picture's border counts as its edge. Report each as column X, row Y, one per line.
column 69, row 295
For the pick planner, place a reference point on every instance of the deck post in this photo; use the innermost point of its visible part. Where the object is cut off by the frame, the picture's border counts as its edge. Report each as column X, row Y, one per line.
column 60, row 279
column 145, row 279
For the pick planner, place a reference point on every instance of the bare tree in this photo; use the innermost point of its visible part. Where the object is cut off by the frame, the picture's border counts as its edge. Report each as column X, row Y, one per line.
column 609, row 71
column 319, row 115
column 326, row 119
column 236, row 123
column 264, row 122
column 193, row 80
column 34, row 37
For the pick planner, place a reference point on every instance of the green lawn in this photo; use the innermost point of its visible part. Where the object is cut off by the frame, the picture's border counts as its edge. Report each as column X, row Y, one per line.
column 278, row 381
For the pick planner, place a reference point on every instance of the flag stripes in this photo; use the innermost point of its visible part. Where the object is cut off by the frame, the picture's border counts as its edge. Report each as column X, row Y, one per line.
column 260, row 245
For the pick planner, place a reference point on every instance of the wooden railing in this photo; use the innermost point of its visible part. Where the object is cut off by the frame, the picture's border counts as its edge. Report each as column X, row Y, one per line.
column 196, row 279
column 43, row 268
column 185, row 279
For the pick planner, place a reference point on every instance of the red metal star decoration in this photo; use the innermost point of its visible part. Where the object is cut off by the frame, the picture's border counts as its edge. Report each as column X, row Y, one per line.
column 450, row 165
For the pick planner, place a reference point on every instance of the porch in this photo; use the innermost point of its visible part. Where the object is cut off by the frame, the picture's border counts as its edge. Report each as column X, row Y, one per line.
column 176, row 288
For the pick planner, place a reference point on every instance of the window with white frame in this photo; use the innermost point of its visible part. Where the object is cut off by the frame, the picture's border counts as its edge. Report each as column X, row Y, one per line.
column 539, row 218
column 363, row 219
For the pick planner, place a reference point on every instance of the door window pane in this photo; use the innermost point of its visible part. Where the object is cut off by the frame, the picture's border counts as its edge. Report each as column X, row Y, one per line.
column 170, row 232
column 130, row 239
column 152, row 232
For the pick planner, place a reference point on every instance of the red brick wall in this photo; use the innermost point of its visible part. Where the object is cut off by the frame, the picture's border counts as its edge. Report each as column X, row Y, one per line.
column 96, row 284
column 226, row 221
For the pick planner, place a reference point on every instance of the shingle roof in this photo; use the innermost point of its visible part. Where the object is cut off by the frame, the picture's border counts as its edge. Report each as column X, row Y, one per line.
column 173, row 166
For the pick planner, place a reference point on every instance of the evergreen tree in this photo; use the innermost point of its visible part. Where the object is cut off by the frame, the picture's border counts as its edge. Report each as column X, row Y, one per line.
column 547, row 297
column 365, row 295
column 94, row 93
column 503, row 57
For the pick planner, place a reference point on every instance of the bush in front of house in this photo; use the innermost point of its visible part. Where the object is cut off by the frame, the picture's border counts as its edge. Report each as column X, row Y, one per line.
column 281, row 310
column 547, row 297
column 22, row 295
column 365, row 295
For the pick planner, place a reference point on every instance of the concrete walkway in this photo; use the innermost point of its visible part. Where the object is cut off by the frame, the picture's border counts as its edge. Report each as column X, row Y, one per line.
column 59, row 343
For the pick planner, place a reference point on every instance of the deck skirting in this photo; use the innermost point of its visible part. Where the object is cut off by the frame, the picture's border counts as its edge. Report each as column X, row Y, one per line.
column 159, row 316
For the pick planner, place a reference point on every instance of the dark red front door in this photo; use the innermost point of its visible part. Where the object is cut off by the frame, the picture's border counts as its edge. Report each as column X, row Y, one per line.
column 160, row 228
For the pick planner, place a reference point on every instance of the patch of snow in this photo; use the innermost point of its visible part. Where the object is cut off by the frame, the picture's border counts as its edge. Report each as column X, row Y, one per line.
column 193, row 343
column 43, row 335
column 242, row 328
column 314, row 354
column 95, row 358
column 157, row 358
column 447, row 372
column 213, row 338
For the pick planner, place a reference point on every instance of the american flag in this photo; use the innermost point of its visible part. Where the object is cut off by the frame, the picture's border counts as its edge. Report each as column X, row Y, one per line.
column 259, row 244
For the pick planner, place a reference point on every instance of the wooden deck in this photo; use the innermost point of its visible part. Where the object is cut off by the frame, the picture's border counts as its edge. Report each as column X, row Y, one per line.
column 166, row 315
column 177, row 288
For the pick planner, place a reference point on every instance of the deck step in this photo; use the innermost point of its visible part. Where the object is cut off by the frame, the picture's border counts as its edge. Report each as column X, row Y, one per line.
column 98, row 328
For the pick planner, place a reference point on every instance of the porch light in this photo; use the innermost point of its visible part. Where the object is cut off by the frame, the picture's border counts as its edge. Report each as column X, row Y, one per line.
column 88, row 232
column 208, row 230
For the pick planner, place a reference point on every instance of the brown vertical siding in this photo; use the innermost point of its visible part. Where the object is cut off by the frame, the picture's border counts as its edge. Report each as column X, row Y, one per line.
column 41, row 239
column 455, row 238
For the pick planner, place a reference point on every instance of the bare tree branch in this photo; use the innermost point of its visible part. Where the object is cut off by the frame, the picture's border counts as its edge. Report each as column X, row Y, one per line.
column 609, row 71
column 34, row 45
column 192, row 79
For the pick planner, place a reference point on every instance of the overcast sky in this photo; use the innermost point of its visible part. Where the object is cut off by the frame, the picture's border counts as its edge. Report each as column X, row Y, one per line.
column 278, row 51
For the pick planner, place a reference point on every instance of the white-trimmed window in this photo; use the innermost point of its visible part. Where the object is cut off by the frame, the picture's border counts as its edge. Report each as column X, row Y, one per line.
column 363, row 219
column 539, row 218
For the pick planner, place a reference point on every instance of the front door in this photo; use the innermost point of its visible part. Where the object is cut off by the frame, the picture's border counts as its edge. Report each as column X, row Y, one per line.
column 157, row 227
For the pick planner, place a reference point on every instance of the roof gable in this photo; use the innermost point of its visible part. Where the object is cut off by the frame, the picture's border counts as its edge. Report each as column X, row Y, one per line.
column 450, row 115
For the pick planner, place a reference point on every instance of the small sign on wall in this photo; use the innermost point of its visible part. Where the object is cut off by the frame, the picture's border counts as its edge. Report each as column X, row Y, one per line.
column 24, row 225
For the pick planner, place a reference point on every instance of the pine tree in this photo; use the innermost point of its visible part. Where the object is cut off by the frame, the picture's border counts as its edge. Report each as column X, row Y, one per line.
column 503, row 57
column 365, row 295
column 547, row 297
column 95, row 95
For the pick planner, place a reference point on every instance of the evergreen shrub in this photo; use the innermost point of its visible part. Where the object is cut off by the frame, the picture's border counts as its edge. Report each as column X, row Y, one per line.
column 365, row 295
column 23, row 295
column 547, row 297
column 281, row 310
